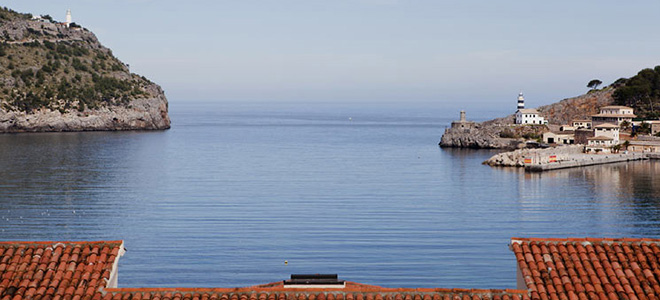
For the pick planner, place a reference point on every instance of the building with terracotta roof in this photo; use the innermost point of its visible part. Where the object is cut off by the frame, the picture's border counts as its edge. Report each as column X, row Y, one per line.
column 613, row 114
column 581, row 124
column 644, row 146
column 548, row 269
column 654, row 126
column 88, row 271
column 276, row 291
column 588, row 268
column 561, row 137
column 58, row 270
column 600, row 144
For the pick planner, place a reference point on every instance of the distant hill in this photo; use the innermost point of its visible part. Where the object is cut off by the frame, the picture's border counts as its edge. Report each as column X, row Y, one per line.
column 564, row 111
column 641, row 92
column 577, row 108
column 60, row 78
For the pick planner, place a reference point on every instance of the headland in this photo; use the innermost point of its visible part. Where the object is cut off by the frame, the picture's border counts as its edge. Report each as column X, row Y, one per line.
column 57, row 76
column 605, row 125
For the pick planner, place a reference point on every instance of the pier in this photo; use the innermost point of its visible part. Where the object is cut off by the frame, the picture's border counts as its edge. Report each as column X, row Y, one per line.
column 583, row 160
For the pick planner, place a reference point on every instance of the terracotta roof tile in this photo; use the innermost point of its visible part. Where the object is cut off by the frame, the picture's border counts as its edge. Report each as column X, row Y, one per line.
column 590, row 268
column 53, row 270
column 552, row 269
column 352, row 291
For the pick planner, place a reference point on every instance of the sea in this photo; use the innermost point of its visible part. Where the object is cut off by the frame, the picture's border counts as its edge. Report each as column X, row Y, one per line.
column 239, row 194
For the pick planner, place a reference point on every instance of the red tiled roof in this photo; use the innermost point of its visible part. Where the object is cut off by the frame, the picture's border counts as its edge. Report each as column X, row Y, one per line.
column 56, row 270
column 84, row 271
column 275, row 291
column 589, row 268
column 614, row 116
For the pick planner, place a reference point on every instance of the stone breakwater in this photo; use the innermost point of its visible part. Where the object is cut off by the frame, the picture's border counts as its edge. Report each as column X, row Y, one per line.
column 586, row 160
column 561, row 157
column 139, row 114
column 516, row 158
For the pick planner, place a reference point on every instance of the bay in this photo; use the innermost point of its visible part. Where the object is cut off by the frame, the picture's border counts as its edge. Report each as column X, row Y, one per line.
column 234, row 190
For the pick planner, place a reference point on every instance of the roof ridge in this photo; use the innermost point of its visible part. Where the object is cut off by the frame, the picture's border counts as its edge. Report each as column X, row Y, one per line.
column 585, row 239
column 253, row 290
column 59, row 242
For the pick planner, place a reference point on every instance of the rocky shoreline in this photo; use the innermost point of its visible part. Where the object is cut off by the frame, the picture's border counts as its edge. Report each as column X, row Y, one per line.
column 494, row 134
column 140, row 114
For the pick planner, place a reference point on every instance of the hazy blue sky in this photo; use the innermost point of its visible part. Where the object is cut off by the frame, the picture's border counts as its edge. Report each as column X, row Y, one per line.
column 468, row 52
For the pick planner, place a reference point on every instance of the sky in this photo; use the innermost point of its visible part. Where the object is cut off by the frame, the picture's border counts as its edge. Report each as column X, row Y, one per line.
column 472, row 53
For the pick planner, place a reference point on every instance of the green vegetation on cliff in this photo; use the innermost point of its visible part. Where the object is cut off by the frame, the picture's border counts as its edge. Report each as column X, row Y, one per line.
column 641, row 92
column 44, row 64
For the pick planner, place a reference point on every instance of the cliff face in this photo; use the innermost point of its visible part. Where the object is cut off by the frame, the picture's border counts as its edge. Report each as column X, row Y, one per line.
column 494, row 134
column 142, row 114
column 501, row 133
column 59, row 78
column 581, row 107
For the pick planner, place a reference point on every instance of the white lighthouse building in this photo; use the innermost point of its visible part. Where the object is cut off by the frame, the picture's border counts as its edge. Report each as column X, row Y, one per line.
column 527, row 116
column 68, row 18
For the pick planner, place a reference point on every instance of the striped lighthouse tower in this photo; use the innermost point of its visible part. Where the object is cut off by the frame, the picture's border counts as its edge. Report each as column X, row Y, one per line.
column 521, row 101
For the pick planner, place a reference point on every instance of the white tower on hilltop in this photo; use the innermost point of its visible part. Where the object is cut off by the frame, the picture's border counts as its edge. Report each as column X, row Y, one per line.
column 68, row 17
column 521, row 101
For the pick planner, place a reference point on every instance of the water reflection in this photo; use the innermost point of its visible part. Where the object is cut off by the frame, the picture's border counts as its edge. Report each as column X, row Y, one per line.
column 54, row 184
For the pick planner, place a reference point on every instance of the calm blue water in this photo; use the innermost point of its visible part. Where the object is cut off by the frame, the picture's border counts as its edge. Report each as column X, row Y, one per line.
column 233, row 190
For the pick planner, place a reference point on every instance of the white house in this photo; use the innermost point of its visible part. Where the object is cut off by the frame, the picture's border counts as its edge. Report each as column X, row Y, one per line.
column 566, row 128
column 565, row 137
column 527, row 116
column 607, row 130
column 579, row 124
column 605, row 136
column 600, row 144
column 613, row 114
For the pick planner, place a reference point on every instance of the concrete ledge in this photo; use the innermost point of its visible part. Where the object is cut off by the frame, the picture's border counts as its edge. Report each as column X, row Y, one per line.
column 586, row 160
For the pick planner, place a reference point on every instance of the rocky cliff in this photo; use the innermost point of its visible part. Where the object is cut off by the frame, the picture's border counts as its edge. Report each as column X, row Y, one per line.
column 61, row 78
column 581, row 107
column 501, row 133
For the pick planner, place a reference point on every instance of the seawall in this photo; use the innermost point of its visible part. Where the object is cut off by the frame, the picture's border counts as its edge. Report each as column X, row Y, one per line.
column 585, row 160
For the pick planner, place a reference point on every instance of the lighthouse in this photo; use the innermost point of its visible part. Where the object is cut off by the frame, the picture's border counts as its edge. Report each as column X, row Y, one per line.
column 68, row 18
column 527, row 116
column 521, row 101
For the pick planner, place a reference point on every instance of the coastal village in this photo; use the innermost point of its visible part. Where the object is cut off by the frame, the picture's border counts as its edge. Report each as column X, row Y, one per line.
column 614, row 134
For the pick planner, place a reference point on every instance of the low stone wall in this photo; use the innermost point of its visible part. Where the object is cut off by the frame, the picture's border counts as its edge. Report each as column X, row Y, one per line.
column 586, row 160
